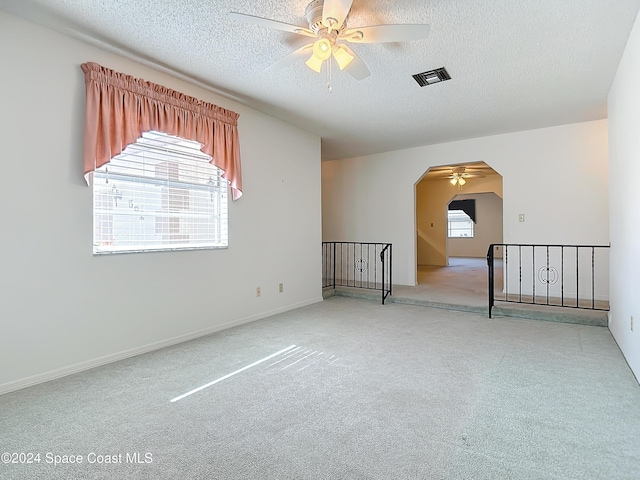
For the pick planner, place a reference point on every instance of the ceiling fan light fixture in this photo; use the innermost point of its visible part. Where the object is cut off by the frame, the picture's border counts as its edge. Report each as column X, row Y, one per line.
column 322, row 49
column 342, row 56
column 457, row 179
column 314, row 63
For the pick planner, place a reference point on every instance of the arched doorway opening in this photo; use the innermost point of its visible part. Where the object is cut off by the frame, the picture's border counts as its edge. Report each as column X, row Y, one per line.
column 446, row 235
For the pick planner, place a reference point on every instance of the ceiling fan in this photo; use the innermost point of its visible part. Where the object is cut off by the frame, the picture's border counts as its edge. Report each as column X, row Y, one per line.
column 328, row 28
column 459, row 176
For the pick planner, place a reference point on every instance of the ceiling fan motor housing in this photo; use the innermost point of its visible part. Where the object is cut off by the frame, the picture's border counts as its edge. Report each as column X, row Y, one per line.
column 314, row 17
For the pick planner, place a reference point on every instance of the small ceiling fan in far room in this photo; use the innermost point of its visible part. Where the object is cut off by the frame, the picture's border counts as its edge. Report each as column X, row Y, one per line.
column 328, row 28
column 460, row 174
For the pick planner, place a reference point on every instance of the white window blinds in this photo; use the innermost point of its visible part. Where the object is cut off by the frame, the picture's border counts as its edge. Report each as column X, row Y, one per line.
column 460, row 224
column 160, row 193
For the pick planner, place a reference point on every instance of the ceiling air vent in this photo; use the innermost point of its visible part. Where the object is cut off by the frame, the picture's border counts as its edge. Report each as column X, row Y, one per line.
column 432, row 76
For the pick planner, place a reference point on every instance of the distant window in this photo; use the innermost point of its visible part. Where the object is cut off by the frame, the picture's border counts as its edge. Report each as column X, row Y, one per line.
column 460, row 224
column 160, row 193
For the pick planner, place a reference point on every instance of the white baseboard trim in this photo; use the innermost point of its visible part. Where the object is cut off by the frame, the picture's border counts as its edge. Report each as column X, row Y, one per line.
column 114, row 357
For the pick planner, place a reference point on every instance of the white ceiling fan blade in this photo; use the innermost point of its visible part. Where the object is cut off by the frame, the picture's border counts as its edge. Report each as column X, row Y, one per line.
column 337, row 10
column 386, row 33
column 292, row 57
column 265, row 22
column 357, row 69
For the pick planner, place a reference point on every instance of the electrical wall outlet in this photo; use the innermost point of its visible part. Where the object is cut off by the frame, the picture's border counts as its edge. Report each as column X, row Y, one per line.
column 258, row 292
column 281, row 287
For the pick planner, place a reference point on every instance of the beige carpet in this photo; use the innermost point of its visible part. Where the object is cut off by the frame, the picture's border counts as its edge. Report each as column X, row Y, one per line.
column 372, row 392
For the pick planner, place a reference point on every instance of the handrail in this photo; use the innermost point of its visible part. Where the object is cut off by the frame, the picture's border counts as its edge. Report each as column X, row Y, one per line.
column 552, row 271
column 386, row 293
column 355, row 264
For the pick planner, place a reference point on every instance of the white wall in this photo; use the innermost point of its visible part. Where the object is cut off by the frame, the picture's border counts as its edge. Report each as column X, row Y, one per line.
column 486, row 230
column 62, row 309
column 557, row 177
column 624, row 158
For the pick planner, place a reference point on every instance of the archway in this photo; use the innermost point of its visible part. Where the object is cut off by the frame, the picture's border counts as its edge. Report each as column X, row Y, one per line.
column 434, row 192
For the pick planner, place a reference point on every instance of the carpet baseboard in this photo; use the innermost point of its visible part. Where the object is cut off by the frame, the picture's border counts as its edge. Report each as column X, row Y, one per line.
column 114, row 357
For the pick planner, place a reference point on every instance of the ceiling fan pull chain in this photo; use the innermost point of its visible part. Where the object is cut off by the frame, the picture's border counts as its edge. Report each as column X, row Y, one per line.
column 329, row 86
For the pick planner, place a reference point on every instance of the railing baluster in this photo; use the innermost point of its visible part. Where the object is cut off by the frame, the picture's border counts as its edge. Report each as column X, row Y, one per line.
column 367, row 263
column 383, row 275
column 593, row 278
column 491, row 277
column 547, row 272
column 334, row 265
column 520, row 273
column 375, row 251
column 577, row 277
column 533, row 272
column 342, row 264
column 390, row 269
column 349, row 270
column 361, row 266
column 562, row 276
column 353, row 270
column 505, row 272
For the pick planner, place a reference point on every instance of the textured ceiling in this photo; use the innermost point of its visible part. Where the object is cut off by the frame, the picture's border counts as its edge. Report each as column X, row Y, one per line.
column 515, row 64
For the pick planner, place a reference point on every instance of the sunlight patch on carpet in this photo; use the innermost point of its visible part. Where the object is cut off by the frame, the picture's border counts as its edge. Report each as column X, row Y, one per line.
column 202, row 387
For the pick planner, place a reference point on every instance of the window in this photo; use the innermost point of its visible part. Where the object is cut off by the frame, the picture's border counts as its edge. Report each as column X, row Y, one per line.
column 460, row 224
column 160, row 193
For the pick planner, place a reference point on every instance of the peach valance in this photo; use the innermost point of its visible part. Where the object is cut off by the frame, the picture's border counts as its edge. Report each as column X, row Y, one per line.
column 120, row 108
